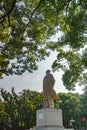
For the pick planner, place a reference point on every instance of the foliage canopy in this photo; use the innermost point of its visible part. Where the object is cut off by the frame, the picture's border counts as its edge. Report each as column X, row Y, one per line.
column 26, row 28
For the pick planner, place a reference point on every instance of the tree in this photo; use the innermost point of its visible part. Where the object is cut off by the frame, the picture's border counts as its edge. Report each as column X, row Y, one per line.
column 26, row 28
column 20, row 109
column 11, row 108
column 84, row 107
column 70, row 105
column 84, row 101
column 31, row 101
column 3, row 116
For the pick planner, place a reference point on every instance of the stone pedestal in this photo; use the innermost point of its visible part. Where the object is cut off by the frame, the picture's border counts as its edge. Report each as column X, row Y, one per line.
column 49, row 119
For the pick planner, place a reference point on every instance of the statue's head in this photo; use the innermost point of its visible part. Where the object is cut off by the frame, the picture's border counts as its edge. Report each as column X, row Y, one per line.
column 48, row 72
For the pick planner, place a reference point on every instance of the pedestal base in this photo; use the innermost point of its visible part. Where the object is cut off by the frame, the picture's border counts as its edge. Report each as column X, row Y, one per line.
column 49, row 128
column 49, row 119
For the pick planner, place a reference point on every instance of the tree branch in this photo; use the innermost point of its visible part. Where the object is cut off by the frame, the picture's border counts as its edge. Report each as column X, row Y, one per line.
column 63, row 6
column 36, row 9
column 2, row 18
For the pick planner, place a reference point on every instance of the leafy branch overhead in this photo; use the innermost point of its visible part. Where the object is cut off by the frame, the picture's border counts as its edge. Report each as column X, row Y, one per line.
column 26, row 28
column 13, row 4
column 7, row 14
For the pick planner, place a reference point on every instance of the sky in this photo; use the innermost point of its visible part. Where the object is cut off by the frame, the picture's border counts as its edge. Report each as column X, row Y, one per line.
column 34, row 81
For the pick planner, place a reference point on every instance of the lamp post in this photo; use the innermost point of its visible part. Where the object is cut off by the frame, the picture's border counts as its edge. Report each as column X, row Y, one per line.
column 72, row 122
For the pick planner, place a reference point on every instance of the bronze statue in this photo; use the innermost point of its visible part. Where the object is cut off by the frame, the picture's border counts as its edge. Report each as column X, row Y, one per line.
column 49, row 93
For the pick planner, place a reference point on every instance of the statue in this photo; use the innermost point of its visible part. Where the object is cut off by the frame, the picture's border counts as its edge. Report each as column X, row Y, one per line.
column 49, row 93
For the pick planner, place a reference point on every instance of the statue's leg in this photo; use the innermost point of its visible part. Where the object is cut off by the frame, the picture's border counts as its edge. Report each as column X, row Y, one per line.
column 46, row 103
column 51, row 102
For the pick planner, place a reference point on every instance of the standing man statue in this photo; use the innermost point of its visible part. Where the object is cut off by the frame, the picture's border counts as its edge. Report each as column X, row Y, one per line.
column 49, row 93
